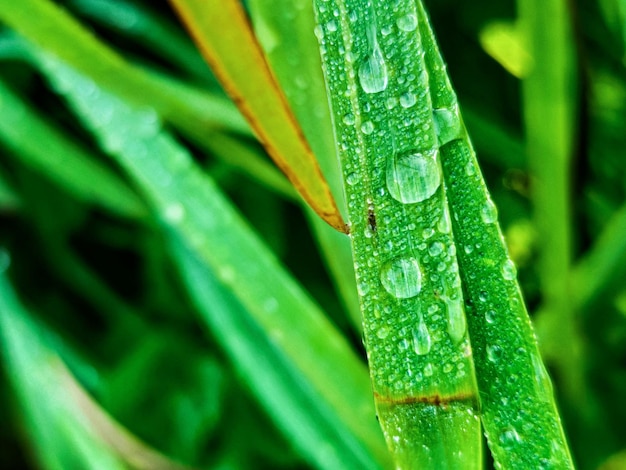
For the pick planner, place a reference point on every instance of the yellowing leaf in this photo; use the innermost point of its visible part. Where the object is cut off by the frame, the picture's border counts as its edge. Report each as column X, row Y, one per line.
column 223, row 33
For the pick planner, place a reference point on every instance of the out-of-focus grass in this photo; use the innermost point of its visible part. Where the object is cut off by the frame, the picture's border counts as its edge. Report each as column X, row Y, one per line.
column 93, row 264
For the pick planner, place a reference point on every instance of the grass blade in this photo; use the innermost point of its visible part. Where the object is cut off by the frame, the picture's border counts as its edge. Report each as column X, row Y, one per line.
column 219, row 27
column 62, row 160
column 65, row 426
column 293, row 53
column 518, row 410
column 189, row 204
column 411, row 298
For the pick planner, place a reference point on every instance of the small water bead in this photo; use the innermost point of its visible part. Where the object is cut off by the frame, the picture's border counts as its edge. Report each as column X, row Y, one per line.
column 488, row 212
column 490, row 316
column 413, row 177
column 363, row 287
column 494, row 353
column 468, row 249
column 373, row 71
column 407, row 23
column 428, row 370
column 422, row 341
column 482, row 296
column 508, row 270
column 447, row 368
column 382, row 332
column 509, row 438
column 352, row 178
column 331, row 26
column 402, row 277
column 541, row 376
column 367, row 127
column 457, row 324
column 348, row 119
column 391, row 102
column 447, row 124
column 436, row 248
column 470, row 168
column 428, row 232
column 407, row 99
column 444, row 223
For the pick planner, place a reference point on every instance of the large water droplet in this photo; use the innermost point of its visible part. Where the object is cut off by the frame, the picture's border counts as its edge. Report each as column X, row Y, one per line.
column 447, row 124
column 402, row 277
column 508, row 270
column 413, row 177
column 509, row 438
column 407, row 22
column 457, row 324
column 373, row 71
column 489, row 213
column 382, row 332
column 421, row 338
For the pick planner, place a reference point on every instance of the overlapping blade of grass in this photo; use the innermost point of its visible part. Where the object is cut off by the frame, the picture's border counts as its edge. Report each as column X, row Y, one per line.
column 223, row 33
column 405, row 257
column 149, row 29
column 285, row 29
column 550, row 117
column 61, row 160
column 50, row 27
column 518, row 410
column 191, row 206
column 65, row 427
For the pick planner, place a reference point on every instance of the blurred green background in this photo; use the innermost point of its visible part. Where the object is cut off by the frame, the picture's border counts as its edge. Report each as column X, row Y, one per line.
column 92, row 264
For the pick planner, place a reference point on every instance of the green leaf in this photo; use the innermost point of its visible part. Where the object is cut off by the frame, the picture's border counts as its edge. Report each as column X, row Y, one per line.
column 63, row 161
column 521, row 421
column 407, row 273
column 223, row 34
column 191, row 207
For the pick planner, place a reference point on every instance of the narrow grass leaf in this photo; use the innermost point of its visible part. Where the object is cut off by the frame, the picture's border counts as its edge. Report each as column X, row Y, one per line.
column 293, row 53
column 189, row 203
column 223, row 33
column 66, row 428
column 519, row 414
column 405, row 256
column 550, row 121
column 61, row 160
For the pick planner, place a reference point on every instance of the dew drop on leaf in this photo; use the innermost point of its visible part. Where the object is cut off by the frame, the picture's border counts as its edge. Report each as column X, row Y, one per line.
column 413, row 177
column 457, row 324
column 373, row 71
column 488, row 212
column 447, row 124
column 421, row 338
column 407, row 23
column 508, row 270
column 402, row 277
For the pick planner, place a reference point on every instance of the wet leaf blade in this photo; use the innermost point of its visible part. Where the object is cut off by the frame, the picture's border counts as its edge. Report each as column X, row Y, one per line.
column 223, row 33
column 407, row 275
column 189, row 204
column 511, row 376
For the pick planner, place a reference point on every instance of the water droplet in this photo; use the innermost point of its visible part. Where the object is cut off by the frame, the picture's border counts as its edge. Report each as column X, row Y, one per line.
column 490, row 316
column 447, row 124
column 407, row 23
column 444, row 223
column 402, row 277
column 331, row 26
column 508, row 270
column 428, row 370
column 541, row 376
column 468, row 249
column 494, row 353
column 382, row 332
column 436, row 248
column 489, row 213
column 348, row 119
column 457, row 324
column 367, row 127
column 373, row 71
column 509, row 438
column 363, row 287
column 482, row 296
column 407, row 99
column 352, row 178
column 470, row 169
column 421, row 338
column 447, row 368
column 391, row 102
column 413, row 177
